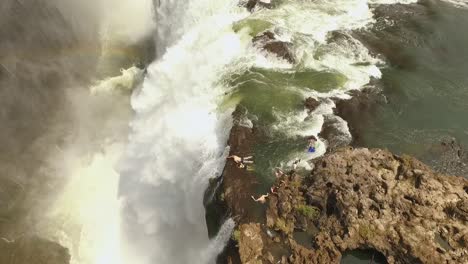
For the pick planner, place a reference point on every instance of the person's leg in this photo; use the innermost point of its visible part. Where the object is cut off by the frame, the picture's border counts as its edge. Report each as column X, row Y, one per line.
column 248, row 157
column 248, row 161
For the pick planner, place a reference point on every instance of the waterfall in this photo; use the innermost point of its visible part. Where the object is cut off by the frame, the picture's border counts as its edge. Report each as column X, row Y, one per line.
column 178, row 136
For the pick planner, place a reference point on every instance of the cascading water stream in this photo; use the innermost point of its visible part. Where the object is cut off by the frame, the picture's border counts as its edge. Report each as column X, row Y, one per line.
column 179, row 132
column 151, row 206
column 178, row 137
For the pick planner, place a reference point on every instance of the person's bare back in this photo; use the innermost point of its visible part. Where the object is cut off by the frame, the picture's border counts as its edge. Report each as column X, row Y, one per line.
column 261, row 199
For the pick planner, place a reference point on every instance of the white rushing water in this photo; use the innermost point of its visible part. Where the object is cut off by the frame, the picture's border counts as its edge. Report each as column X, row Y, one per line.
column 458, row 3
column 154, row 213
column 178, row 136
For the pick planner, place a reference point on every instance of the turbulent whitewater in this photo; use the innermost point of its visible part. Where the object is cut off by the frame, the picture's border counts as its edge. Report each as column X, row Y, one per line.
column 179, row 132
column 118, row 168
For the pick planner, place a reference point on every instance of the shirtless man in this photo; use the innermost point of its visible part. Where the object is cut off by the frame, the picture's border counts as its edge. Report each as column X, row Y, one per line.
column 241, row 162
column 261, row 199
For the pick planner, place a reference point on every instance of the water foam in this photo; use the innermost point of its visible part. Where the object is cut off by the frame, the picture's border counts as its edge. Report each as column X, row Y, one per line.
column 124, row 83
column 178, row 138
column 178, row 134
column 458, row 3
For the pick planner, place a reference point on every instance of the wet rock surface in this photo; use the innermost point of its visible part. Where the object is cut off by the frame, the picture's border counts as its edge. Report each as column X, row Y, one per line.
column 334, row 133
column 252, row 4
column 311, row 104
column 362, row 199
column 238, row 184
column 267, row 41
column 448, row 156
column 359, row 110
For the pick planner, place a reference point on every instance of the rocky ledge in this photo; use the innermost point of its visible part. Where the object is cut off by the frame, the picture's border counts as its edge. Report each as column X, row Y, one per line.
column 360, row 199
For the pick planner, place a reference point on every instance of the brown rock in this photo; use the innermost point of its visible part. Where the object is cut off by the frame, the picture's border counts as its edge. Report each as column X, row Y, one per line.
column 369, row 199
column 268, row 42
column 359, row 110
column 311, row 104
column 250, row 243
column 388, row 208
column 251, row 4
column 281, row 49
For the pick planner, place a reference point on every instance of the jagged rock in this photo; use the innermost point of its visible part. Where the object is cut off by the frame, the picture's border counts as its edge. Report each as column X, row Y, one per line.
column 264, row 37
column 311, row 104
column 335, row 132
column 370, row 199
column 395, row 205
column 251, row 4
column 268, row 42
column 281, row 49
column 359, row 109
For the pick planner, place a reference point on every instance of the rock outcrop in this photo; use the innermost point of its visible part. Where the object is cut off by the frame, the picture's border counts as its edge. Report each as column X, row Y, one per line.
column 362, row 199
column 251, row 4
column 360, row 109
column 267, row 41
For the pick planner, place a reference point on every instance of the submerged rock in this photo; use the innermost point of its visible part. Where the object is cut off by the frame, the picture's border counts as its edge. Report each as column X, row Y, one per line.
column 363, row 199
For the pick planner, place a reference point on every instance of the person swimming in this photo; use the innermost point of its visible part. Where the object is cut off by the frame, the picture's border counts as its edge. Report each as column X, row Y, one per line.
column 312, row 144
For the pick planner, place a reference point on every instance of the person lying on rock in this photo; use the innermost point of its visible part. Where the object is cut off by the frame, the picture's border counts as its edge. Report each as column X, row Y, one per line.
column 261, row 199
column 312, row 144
column 241, row 162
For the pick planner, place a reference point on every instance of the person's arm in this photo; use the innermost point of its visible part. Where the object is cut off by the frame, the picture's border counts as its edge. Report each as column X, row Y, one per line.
column 236, row 159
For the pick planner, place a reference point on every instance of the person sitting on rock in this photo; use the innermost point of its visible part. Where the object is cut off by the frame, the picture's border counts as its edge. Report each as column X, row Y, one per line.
column 278, row 173
column 261, row 199
column 312, row 144
column 295, row 163
column 274, row 190
column 241, row 162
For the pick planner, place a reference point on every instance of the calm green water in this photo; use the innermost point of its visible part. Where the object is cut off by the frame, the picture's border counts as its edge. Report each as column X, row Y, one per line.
column 427, row 90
